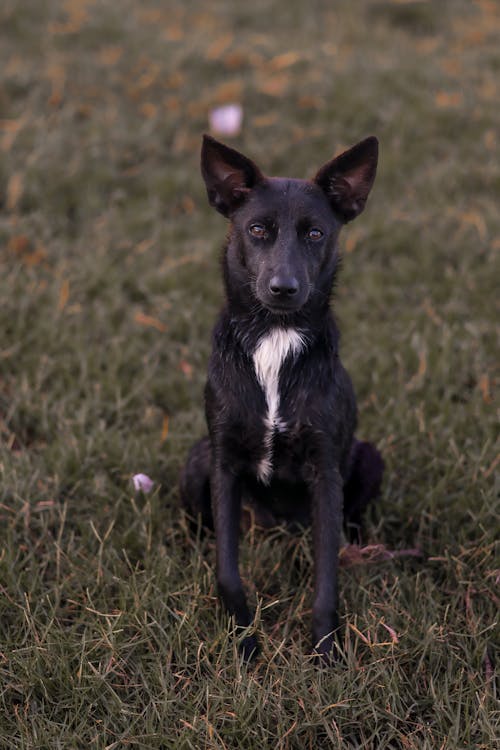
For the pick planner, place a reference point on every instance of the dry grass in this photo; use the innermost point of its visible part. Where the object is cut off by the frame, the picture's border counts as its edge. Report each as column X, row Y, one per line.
column 110, row 632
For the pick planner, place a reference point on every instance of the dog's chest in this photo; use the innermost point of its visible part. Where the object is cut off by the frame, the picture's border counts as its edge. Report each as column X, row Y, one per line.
column 269, row 356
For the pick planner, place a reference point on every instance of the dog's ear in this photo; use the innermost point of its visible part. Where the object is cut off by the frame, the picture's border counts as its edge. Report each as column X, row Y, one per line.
column 229, row 176
column 348, row 178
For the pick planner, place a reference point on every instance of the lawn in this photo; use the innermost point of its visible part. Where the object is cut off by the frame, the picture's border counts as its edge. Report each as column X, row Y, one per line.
column 111, row 635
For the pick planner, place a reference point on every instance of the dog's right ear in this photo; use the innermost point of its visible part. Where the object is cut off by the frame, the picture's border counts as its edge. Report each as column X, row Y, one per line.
column 229, row 176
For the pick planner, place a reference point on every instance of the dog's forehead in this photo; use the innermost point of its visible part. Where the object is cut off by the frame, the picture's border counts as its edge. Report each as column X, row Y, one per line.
column 280, row 194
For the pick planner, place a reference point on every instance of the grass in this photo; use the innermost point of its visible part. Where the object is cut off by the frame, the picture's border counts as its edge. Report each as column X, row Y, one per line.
column 110, row 632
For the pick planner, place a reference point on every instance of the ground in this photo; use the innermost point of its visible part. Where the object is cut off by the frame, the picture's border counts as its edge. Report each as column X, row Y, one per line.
column 110, row 632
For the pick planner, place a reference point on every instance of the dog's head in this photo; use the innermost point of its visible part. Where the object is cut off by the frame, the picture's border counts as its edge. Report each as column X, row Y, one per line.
column 283, row 237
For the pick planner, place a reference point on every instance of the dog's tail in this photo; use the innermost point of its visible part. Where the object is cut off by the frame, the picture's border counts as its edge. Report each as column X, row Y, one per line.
column 362, row 486
column 194, row 484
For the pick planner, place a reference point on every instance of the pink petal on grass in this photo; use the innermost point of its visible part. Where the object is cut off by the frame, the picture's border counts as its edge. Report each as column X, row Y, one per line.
column 226, row 120
column 142, row 483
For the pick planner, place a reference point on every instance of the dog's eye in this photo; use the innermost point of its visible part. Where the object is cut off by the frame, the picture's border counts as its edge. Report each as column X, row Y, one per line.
column 314, row 234
column 258, row 230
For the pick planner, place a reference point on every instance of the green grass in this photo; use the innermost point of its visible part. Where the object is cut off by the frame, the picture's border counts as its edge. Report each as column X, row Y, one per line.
column 110, row 632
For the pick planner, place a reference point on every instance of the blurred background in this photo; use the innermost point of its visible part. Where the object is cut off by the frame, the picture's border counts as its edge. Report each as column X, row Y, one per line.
column 109, row 276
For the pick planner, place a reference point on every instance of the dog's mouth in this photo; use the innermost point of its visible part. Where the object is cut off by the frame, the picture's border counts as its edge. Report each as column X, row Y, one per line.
column 282, row 306
column 281, row 309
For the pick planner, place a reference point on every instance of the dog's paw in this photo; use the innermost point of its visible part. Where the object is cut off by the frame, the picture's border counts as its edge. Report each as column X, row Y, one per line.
column 327, row 651
column 249, row 648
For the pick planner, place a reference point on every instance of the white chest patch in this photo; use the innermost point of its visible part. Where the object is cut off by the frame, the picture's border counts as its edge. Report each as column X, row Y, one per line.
column 269, row 355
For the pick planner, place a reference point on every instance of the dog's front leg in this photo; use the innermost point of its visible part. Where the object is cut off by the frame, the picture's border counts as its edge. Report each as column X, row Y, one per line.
column 327, row 501
column 226, row 493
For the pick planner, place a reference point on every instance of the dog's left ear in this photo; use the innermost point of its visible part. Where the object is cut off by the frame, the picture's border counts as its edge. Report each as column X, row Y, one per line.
column 348, row 178
column 229, row 176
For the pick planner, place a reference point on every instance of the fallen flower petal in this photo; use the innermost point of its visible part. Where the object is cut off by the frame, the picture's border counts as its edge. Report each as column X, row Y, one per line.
column 142, row 483
column 226, row 120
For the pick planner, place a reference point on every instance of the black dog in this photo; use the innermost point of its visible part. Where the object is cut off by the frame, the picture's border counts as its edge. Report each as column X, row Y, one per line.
column 280, row 407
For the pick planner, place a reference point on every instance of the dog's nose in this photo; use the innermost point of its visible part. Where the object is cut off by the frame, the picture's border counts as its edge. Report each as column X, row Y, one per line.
column 281, row 286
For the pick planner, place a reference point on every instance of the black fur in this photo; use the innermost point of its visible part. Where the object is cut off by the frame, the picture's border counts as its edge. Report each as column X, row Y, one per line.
column 279, row 268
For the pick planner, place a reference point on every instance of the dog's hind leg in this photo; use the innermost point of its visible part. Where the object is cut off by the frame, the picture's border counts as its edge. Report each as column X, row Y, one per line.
column 362, row 486
column 195, row 483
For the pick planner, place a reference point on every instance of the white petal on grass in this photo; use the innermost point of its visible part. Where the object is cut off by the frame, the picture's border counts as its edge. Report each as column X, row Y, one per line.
column 142, row 483
column 226, row 120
